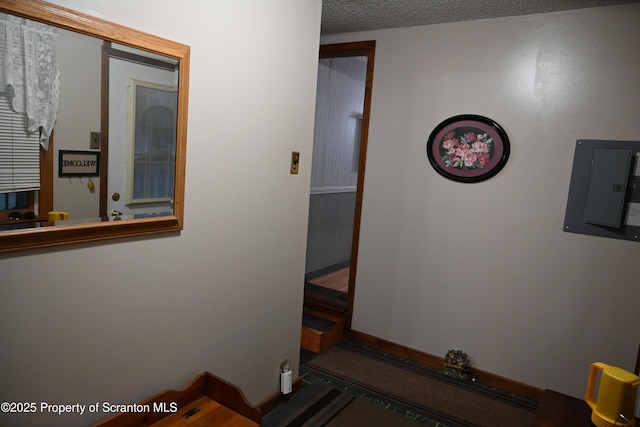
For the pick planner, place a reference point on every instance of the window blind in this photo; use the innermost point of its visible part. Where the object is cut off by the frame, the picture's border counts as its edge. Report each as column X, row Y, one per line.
column 19, row 151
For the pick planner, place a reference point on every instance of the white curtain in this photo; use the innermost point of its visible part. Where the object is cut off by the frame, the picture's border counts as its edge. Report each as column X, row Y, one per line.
column 29, row 71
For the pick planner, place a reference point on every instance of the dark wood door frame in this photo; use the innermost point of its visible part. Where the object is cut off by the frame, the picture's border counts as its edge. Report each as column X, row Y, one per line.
column 341, row 50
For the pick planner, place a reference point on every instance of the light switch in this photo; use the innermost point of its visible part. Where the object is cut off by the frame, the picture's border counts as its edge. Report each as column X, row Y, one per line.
column 94, row 142
column 295, row 161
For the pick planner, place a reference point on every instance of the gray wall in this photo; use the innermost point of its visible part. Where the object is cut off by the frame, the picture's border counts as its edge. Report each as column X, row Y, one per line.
column 330, row 231
column 486, row 267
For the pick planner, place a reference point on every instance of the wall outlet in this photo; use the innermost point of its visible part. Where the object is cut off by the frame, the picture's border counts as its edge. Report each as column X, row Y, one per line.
column 94, row 141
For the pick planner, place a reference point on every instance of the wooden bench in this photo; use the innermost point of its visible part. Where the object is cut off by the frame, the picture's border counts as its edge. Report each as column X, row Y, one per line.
column 559, row 410
column 207, row 401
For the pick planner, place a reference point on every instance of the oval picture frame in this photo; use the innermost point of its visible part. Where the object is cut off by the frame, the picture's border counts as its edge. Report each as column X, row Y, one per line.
column 468, row 148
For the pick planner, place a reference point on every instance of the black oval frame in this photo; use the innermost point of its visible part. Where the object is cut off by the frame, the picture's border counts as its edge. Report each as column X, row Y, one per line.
column 499, row 136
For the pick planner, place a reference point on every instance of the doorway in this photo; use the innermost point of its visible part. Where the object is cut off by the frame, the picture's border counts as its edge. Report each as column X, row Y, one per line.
column 345, row 81
column 138, row 142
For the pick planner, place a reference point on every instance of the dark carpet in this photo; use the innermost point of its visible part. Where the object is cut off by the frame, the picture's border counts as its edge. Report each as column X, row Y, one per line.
column 354, row 385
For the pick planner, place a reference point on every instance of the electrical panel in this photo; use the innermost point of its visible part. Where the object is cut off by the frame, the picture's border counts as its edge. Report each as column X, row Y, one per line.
column 604, row 198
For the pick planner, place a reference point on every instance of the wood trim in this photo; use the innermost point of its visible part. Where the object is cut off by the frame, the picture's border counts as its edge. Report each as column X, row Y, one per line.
column 484, row 377
column 206, row 384
column 45, row 197
column 43, row 237
column 104, row 130
column 342, row 50
column 364, row 138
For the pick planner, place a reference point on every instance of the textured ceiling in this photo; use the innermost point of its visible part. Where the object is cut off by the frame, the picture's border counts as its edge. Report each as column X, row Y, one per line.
column 343, row 16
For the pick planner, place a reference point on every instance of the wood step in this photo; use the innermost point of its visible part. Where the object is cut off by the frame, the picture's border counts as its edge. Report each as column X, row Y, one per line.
column 320, row 331
column 207, row 401
column 321, row 297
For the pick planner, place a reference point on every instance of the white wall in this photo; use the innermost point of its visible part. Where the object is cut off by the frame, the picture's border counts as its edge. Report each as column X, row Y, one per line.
column 118, row 321
column 486, row 267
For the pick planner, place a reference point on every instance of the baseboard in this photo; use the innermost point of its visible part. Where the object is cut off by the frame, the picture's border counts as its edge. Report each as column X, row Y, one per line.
column 486, row 378
column 326, row 270
column 483, row 377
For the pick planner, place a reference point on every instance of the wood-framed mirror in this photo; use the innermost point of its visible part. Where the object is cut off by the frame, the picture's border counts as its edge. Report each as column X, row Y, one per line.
column 42, row 220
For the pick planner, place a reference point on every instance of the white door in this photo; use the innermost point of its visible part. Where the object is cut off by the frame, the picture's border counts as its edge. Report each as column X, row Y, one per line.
column 125, row 77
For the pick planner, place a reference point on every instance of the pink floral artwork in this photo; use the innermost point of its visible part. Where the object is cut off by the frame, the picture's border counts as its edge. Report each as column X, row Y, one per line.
column 468, row 148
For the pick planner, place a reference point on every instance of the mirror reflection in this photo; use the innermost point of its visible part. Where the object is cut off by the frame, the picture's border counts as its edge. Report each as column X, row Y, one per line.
column 89, row 158
column 142, row 134
column 94, row 137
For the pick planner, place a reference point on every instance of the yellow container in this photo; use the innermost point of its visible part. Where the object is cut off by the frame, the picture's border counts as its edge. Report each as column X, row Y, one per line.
column 616, row 398
column 58, row 215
